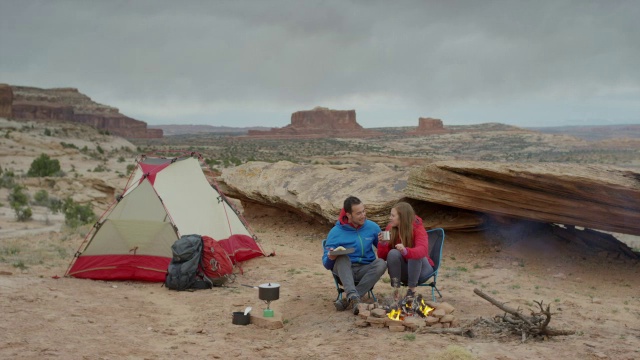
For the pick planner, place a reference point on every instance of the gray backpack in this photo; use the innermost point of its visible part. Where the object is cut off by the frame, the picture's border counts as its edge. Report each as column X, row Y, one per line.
column 184, row 272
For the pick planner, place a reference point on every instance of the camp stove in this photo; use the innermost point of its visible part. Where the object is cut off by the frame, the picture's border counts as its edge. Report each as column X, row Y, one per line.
column 268, row 293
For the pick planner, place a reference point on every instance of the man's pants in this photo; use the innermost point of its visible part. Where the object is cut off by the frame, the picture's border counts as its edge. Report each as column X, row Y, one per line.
column 364, row 275
column 411, row 272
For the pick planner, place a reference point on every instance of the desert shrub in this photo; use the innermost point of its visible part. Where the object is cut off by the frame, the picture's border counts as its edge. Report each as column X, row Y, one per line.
column 47, row 132
column 211, row 162
column 121, row 159
column 41, row 198
column 130, row 168
column 99, row 149
column 76, row 215
column 100, row 168
column 55, row 205
column 7, row 179
column 44, row 166
column 68, row 146
column 19, row 202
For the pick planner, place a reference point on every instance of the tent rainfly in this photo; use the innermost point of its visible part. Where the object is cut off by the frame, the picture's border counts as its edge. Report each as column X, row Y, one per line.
column 163, row 199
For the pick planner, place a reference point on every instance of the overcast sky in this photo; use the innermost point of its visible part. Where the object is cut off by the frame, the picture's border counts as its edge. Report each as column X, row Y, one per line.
column 254, row 63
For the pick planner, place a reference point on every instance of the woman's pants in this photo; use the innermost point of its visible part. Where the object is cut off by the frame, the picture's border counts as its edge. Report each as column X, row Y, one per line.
column 407, row 271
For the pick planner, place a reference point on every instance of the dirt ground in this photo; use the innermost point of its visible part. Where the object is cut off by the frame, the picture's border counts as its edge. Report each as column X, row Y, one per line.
column 45, row 317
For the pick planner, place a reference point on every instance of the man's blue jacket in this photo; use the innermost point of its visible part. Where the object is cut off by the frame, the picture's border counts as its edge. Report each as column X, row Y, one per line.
column 362, row 239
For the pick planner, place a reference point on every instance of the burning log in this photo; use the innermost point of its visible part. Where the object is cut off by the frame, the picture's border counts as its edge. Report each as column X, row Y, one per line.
column 535, row 325
column 408, row 307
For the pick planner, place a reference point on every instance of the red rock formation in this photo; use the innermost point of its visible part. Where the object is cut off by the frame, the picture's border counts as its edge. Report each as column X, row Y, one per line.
column 428, row 126
column 69, row 104
column 6, row 99
column 323, row 118
column 120, row 125
column 319, row 123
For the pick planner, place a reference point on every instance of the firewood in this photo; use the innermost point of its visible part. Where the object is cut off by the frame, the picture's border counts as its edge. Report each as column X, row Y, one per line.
column 536, row 325
column 454, row 331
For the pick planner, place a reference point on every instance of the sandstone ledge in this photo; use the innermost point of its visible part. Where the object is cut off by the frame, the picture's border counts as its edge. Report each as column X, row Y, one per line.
column 597, row 197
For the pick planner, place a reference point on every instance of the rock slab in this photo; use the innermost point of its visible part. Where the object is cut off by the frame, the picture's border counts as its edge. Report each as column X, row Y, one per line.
column 591, row 196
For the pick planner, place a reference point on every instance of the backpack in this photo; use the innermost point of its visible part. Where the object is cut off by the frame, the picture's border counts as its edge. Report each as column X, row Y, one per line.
column 215, row 263
column 183, row 272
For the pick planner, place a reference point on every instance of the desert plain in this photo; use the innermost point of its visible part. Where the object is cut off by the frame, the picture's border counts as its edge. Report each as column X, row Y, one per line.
column 48, row 316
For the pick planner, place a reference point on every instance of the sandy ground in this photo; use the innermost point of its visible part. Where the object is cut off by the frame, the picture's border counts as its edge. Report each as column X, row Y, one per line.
column 67, row 318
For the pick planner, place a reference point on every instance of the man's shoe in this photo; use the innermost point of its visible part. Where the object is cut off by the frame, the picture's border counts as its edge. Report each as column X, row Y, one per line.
column 341, row 304
column 355, row 304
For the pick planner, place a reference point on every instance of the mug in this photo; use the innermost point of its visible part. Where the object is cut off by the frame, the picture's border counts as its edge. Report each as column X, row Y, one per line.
column 386, row 235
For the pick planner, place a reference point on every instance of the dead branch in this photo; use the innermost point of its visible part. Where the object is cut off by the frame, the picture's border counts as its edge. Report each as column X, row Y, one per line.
column 518, row 323
column 455, row 331
column 503, row 307
column 546, row 312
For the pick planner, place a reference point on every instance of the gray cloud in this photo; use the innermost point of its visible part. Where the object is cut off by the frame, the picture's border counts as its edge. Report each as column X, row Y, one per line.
column 255, row 62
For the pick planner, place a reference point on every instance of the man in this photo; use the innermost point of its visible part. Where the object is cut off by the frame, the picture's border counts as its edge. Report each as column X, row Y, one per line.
column 361, row 267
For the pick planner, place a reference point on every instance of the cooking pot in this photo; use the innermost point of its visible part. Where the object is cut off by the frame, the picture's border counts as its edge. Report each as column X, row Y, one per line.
column 240, row 318
column 269, row 291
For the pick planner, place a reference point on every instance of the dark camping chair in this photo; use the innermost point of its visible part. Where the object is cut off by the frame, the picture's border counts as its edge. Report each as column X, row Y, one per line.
column 339, row 287
column 436, row 243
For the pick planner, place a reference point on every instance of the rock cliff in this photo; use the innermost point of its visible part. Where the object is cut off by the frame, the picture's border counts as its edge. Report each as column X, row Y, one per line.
column 29, row 103
column 6, row 99
column 319, row 123
column 316, row 192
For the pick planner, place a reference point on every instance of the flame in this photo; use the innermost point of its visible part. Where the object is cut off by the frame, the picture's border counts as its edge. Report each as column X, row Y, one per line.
column 394, row 314
column 424, row 308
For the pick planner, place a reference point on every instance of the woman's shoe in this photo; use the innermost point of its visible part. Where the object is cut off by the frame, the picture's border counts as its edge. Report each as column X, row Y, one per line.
column 410, row 294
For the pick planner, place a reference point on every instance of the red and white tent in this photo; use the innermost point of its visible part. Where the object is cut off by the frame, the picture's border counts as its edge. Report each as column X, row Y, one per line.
column 164, row 199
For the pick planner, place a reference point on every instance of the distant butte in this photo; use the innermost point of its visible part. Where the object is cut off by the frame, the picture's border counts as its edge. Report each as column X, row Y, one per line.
column 320, row 122
column 68, row 104
column 427, row 126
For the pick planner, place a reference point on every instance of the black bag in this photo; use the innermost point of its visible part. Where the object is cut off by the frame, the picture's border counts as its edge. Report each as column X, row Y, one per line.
column 183, row 272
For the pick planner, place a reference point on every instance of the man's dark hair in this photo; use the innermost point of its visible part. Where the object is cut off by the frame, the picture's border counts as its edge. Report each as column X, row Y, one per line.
column 349, row 202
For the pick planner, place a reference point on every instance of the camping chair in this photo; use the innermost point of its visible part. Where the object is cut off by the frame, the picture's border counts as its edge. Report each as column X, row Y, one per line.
column 338, row 283
column 436, row 243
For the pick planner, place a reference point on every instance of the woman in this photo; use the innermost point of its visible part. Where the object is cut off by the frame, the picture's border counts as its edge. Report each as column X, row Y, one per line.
column 407, row 252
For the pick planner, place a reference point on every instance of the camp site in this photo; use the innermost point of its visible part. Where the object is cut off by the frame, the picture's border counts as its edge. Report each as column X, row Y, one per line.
column 98, row 291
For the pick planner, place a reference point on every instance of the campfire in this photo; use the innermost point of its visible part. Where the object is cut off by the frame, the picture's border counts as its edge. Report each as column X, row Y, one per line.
column 408, row 314
column 409, row 307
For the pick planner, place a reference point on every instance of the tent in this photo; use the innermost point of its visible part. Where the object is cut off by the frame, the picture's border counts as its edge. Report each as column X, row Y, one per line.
column 164, row 199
